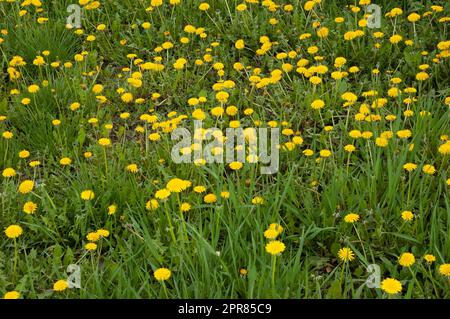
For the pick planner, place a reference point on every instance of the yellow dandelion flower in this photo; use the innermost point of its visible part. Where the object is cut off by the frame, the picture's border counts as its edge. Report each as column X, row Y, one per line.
column 429, row 169
column 391, row 286
column 210, row 198
column 444, row 270
column 11, row 295
column 235, row 166
column 29, row 207
column 65, row 161
column 203, row 6
column 162, row 274
column 407, row 215
column 162, row 194
column 9, row 172
column 90, row 246
column 351, row 218
column 429, row 258
column 133, row 168
column 177, row 185
column 87, row 195
column 13, row 231
column 345, row 254
column 152, row 204
column 104, row 141
column 60, row 285
column 275, row 247
column 185, row 207
column 93, row 236
column 409, row 167
column 26, row 186
column 112, row 209
column 271, row 233
column 103, row 233
column 406, row 260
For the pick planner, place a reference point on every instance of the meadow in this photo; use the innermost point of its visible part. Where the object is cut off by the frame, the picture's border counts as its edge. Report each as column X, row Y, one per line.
column 93, row 205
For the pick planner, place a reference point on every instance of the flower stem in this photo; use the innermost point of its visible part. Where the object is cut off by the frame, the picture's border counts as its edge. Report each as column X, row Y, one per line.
column 183, row 222
column 106, row 163
column 15, row 259
column 165, row 290
column 274, row 267
column 417, row 282
column 169, row 220
column 359, row 237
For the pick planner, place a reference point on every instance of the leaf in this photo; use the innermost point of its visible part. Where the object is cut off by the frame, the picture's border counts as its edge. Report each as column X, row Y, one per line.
column 335, row 248
column 68, row 257
column 4, row 106
column 405, row 237
column 335, row 290
column 81, row 136
column 57, row 254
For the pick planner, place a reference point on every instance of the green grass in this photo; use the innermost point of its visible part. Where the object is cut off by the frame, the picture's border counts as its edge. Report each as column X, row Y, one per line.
column 308, row 196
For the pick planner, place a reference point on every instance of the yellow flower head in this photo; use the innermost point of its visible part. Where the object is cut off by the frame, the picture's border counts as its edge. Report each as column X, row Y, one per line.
column 275, row 247
column 9, row 172
column 444, row 270
column 429, row 258
column 103, row 233
column 240, row 44
column 257, row 200
column 210, row 198
column 225, row 194
column 152, row 204
column 29, row 207
column 60, row 285
column 407, row 215
column 413, row 17
column 162, row 274
column 404, row 134
column 90, row 246
column 185, row 207
column 317, row 104
column 93, row 236
column 235, row 166
column 406, row 260
column 26, row 186
column 351, row 218
column 203, row 6
column 409, row 167
column 429, row 169
column 346, row 254
column 11, row 295
column 133, row 168
column 391, row 286
column 396, row 38
column 104, row 141
column 325, row 153
column 270, row 234
column 444, row 149
column 177, row 185
column 65, row 161
column 199, row 189
column 87, row 195
column 162, row 194
column 13, row 231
